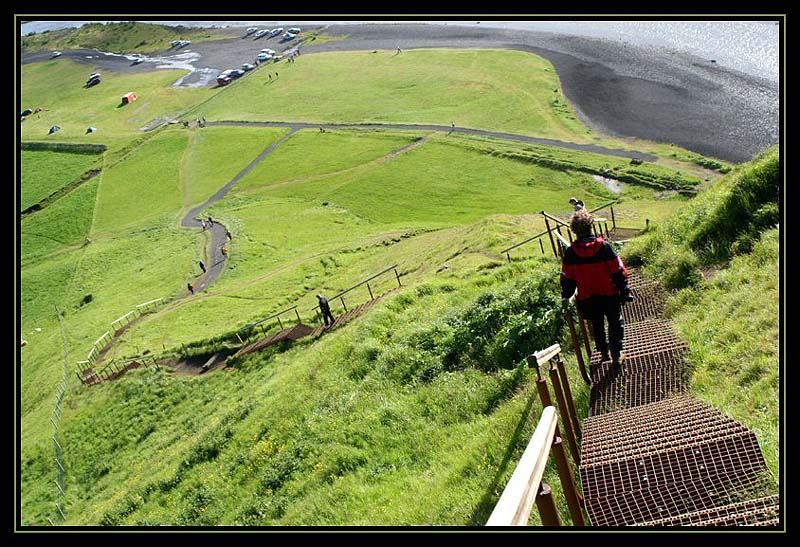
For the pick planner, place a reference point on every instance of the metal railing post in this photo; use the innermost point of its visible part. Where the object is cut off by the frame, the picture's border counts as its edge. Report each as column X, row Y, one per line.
column 343, row 304
column 568, row 483
column 370, row 292
column 613, row 220
column 398, row 277
column 546, row 506
column 298, row 315
column 541, row 245
column 280, row 324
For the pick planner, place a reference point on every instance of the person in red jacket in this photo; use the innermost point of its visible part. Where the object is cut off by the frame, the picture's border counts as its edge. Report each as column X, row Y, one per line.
column 592, row 266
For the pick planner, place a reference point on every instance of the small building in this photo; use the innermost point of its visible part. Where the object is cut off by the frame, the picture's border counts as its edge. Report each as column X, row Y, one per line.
column 128, row 97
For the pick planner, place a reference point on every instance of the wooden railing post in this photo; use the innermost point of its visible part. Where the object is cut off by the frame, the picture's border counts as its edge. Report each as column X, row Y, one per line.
column 280, row 324
column 585, row 336
column 577, row 346
column 343, row 304
column 574, row 501
column 298, row 315
column 550, row 234
column 397, row 275
column 613, row 220
column 541, row 245
column 573, row 411
column 370, row 292
column 546, row 506
column 565, row 414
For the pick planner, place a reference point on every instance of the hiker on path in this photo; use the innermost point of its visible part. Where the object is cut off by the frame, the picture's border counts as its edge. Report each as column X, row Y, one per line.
column 190, row 287
column 202, row 266
column 228, row 234
column 399, row 50
column 210, row 221
column 592, row 266
column 224, row 251
column 578, row 204
column 203, row 223
column 325, row 308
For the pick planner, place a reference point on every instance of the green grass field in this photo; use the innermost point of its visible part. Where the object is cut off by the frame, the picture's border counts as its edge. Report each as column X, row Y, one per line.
column 44, row 173
column 414, row 414
column 121, row 37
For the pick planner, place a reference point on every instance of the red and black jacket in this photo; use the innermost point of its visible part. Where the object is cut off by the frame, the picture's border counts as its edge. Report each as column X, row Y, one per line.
column 593, row 267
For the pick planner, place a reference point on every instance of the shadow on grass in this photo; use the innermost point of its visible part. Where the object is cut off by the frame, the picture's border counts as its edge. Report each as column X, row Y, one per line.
column 489, row 500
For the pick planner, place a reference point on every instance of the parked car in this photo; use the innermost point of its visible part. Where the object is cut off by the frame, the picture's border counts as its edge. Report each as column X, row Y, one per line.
column 223, row 80
column 260, row 33
column 294, row 30
column 237, row 73
column 137, row 61
column 184, row 43
column 55, row 54
column 268, row 51
column 275, row 31
column 250, row 31
column 288, row 36
column 264, row 57
column 175, row 43
column 247, row 67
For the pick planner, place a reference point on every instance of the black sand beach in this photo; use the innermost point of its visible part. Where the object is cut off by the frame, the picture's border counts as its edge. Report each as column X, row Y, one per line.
column 616, row 88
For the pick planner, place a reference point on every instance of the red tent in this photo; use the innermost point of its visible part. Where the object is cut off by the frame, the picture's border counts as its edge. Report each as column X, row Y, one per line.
column 128, row 97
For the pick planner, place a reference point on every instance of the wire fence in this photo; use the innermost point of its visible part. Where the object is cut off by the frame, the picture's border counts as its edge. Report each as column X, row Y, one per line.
column 55, row 419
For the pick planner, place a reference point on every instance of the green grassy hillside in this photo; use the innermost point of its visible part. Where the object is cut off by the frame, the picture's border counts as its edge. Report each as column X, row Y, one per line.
column 122, row 37
column 725, row 249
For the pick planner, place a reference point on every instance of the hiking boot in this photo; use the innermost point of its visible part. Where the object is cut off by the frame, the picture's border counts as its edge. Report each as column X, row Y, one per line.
column 604, row 356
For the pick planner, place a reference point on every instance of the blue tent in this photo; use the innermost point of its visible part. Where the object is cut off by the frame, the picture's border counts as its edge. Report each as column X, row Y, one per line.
column 91, row 129
column 54, row 129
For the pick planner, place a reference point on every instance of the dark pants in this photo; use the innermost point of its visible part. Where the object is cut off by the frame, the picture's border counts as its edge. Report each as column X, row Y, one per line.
column 326, row 314
column 598, row 309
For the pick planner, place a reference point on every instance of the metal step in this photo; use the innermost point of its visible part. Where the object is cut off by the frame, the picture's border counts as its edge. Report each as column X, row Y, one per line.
column 758, row 512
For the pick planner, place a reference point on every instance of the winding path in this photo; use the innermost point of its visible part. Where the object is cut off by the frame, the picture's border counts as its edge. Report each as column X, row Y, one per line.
column 296, row 126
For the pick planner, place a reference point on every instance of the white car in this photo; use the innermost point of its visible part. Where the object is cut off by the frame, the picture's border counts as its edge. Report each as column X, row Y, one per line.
column 288, row 36
column 275, row 31
column 247, row 67
column 250, row 31
column 55, row 54
column 268, row 51
column 175, row 43
column 264, row 57
column 294, row 30
column 260, row 33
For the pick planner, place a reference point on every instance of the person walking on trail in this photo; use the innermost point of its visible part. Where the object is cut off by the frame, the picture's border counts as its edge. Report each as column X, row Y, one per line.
column 190, row 287
column 399, row 51
column 202, row 266
column 224, row 251
column 203, row 223
column 228, row 234
column 210, row 221
column 592, row 266
column 325, row 308
column 578, row 204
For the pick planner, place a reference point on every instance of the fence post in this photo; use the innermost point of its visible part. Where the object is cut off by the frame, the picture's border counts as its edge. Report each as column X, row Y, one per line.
column 613, row 221
column 546, row 506
column 565, row 415
column 562, row 373
column 343, row 305
column 577, row 346
column 585, row 336
column 280, row 324
column 370, row 292
column 397, row 275
column 569, row 233
column 541, row 245
column 550, row 235
column 508, row 256
column 298, row 316
column 568, row 483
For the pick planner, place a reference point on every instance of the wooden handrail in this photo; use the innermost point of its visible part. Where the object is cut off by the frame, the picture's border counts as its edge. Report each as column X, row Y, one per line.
column 344, row 292
column 515, row 503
